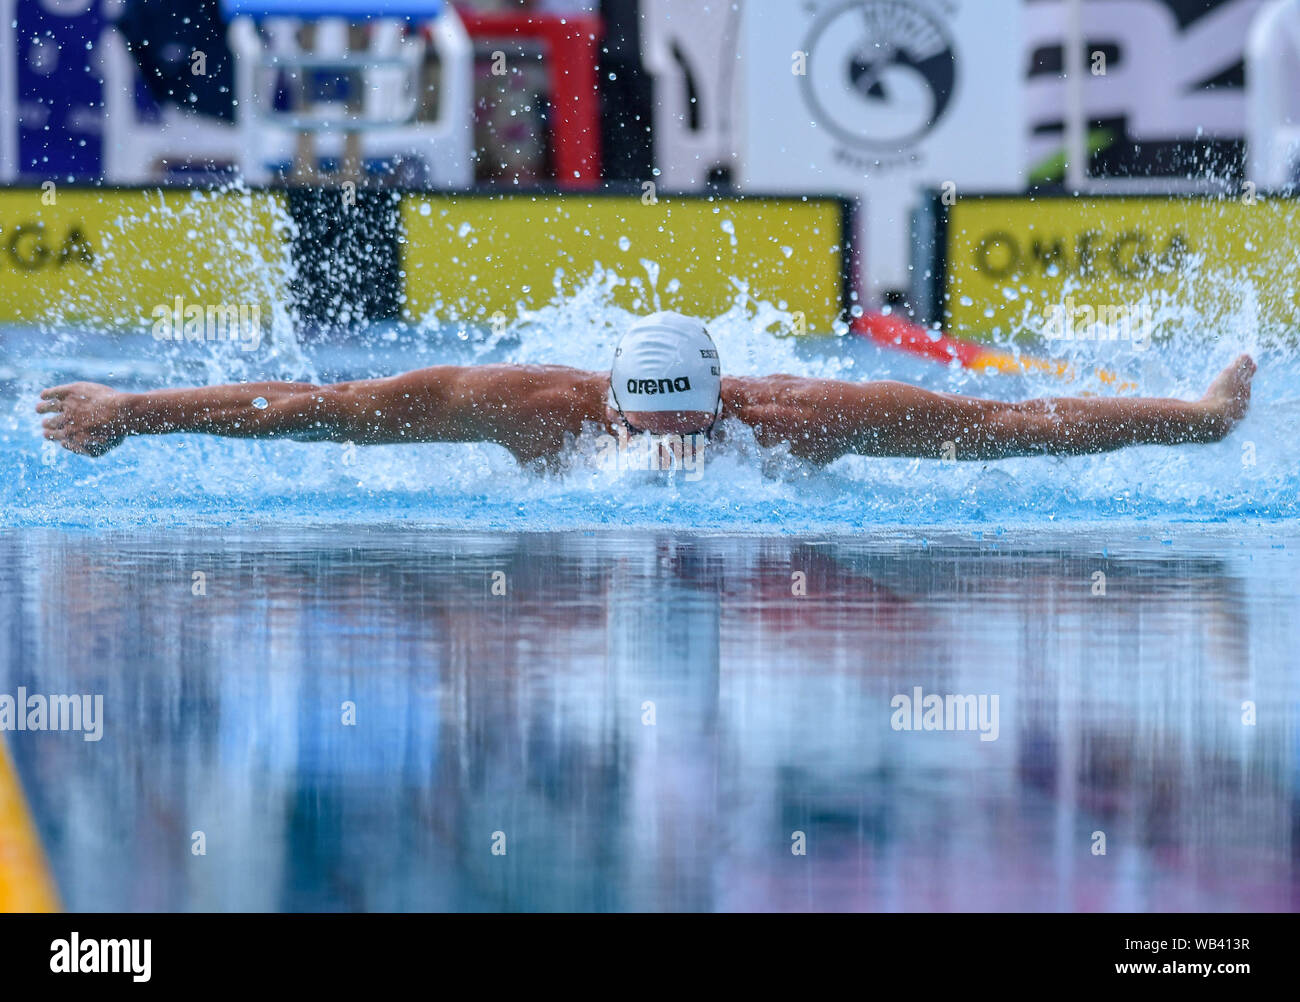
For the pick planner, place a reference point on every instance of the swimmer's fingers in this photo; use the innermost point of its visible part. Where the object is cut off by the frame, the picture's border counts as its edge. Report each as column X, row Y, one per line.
column 49, row 406
column 51, row 423
column 72, row 445
column 57, row 392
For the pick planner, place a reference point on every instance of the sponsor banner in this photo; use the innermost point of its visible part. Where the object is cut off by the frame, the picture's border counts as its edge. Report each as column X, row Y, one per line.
column 1011, row 264
column 119, row 259
column 475, row 257
column 882, row 99
column 1164, row 86
column 104, row 259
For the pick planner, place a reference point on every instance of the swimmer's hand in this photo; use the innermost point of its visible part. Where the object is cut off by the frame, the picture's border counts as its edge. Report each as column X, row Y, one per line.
column 87, row 418
column 1228, row 397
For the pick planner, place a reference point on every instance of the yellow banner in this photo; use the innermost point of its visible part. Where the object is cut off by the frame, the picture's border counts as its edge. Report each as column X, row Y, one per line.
column 468, row 257
column 109, row 259
column 1009, row 261
column 106, row 259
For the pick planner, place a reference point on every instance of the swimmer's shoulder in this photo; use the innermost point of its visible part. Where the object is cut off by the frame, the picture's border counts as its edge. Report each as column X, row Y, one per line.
column 528, row 377
column 547, row 402
column 740, row 392
column 550, row 375
column 564, row 379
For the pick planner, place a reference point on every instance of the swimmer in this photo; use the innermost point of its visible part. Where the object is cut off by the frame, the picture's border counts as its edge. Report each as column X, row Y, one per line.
column 665, row 380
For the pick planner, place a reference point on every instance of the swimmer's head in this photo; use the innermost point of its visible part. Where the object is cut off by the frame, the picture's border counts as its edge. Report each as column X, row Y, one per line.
column 666, row 377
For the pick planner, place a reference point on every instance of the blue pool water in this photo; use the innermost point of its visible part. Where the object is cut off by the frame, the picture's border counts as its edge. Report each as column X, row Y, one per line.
column 333, row 576
column 526, row 714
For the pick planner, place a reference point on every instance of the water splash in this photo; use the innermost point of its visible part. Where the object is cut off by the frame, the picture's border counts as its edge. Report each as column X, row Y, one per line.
column 185, row 480
column 230, row 244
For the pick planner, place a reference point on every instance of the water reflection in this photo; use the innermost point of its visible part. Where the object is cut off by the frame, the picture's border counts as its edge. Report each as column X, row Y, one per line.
column 650, row 718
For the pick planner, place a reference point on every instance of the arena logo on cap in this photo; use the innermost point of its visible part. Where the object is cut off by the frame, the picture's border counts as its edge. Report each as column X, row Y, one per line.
column 682, row 384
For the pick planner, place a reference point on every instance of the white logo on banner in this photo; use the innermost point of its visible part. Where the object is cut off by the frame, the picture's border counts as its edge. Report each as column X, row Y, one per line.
column 882, row 72
column 898, row 96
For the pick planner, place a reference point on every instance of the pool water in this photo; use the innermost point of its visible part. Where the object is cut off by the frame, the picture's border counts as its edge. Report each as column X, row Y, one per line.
column 420, row 678
column 649, row 719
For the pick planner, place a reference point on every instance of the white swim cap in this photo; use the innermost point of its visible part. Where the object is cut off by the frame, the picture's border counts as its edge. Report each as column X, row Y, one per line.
column 666, row 362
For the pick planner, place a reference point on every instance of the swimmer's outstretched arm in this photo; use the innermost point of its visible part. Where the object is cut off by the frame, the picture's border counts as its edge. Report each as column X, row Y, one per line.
column 824, row 419
column 526, row 408
column 530, row 410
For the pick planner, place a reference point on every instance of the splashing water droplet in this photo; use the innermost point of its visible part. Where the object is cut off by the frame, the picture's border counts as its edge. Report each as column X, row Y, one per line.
column 260, row 403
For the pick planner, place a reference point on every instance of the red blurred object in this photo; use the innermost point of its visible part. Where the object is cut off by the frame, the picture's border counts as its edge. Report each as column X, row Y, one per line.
column 904, row 335
column 571, row 43
column 899, row 332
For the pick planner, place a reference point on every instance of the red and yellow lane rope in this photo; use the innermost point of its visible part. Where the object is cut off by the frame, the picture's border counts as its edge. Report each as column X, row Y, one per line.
column 904, row 335
column 25, row 882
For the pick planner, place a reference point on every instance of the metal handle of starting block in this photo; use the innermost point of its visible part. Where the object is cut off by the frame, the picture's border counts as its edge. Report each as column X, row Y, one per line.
column 328, row 122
